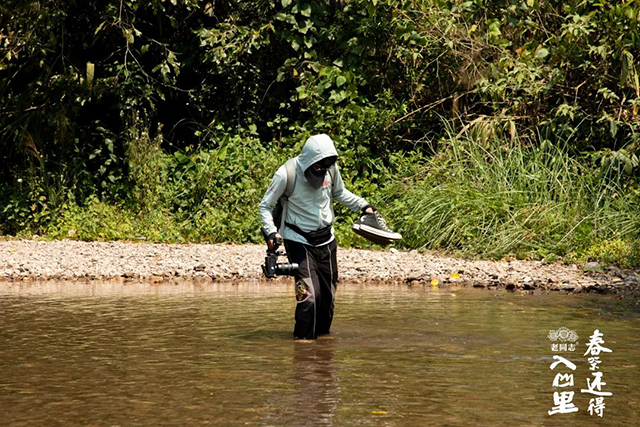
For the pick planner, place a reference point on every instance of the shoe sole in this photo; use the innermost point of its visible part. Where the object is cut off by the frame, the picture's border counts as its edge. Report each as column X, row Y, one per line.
column 377, row 232
column 373, row 238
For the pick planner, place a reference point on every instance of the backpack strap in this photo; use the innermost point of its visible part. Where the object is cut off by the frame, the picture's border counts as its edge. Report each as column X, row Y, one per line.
column 333, row 170
column 281, row 208
column 290, row 167
column 332, row 174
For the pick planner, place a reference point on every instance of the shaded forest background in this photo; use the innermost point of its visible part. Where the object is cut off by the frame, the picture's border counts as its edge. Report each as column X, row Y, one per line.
column 483, row 128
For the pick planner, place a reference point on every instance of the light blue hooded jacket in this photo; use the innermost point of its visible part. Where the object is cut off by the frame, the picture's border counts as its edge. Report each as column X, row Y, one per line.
column 308, row 208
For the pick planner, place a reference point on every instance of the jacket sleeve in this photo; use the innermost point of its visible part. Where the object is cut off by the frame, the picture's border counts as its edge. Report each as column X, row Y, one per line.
column 346, row 197
column 274, row 192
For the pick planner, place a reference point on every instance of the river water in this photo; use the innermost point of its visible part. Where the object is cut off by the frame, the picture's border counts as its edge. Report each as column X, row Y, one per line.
column 105, row 354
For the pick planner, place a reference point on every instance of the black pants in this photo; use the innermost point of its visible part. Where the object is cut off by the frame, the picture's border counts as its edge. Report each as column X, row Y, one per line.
column 315, row 287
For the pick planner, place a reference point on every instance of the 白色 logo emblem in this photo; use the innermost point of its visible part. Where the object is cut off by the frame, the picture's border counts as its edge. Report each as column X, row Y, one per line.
column 563, row 334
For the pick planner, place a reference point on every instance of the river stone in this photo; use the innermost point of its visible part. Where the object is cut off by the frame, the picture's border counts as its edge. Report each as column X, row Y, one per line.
column 68, row 259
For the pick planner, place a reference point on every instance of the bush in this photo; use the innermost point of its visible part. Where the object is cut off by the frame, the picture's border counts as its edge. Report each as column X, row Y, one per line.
column 615, row 251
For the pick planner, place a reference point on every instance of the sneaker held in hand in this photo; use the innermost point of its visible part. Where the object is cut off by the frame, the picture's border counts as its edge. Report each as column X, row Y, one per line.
column 374, row 228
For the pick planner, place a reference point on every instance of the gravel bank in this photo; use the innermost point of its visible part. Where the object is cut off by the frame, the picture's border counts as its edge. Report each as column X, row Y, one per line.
column 25, row 260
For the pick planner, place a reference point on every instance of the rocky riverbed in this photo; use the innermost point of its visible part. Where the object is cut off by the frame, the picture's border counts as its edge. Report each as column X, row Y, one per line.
column 30, row 260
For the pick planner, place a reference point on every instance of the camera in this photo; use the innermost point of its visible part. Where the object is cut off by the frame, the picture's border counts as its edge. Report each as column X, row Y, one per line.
column 272, row 267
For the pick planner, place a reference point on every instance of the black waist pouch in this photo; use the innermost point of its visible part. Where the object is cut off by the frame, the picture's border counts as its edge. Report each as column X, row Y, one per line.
column 314, row 238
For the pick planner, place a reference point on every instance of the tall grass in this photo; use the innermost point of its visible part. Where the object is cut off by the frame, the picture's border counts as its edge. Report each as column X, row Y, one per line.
column 481, row 196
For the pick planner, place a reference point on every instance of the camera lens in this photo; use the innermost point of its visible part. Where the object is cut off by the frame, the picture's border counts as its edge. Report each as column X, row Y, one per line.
column 286, row 269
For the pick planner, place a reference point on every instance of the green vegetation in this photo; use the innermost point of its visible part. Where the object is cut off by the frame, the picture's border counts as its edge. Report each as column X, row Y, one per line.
column 494, row 199
column 484, row 128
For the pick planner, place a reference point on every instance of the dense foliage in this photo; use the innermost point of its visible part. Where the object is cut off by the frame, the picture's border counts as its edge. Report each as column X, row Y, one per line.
column 164, row 119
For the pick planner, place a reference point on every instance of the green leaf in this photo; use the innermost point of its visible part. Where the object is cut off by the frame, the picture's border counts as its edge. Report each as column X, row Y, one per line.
column 542, row 53
column 128, row 35
column 308, row 41
column 181, row 157
column 338, row 96
column 627, row 66
column 302, row 92
column 494, row 28
column 99, row 28
column 304, row 27
column 222, row 152
column 90, row 73
column 613, row 128
column 286, row 3
column 306, row 10
column 341, row 80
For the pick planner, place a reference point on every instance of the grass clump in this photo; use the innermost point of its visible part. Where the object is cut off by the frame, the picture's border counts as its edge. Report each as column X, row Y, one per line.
column 482, row 197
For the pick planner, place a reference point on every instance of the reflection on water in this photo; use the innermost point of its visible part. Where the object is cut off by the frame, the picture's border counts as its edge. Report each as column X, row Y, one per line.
column 138, row 354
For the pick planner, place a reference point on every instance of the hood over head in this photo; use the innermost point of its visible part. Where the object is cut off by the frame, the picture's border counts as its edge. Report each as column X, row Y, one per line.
column 316, row 148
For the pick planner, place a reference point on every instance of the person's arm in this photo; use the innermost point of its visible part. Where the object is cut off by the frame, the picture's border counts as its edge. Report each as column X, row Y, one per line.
column 347, row 198
column 274, row 192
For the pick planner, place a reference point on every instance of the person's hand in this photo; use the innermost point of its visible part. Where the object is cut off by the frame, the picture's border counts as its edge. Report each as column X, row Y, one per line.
column 270, row 241
column 369, row 210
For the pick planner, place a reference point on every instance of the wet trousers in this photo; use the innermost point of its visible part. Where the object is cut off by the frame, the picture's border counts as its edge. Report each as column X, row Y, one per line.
column 315, row 287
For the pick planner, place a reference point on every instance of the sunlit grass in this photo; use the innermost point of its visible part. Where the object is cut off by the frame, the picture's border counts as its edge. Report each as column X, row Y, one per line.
column 482, row 197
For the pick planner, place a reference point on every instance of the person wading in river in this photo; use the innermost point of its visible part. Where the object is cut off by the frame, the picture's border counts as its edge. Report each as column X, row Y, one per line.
column 307, row 229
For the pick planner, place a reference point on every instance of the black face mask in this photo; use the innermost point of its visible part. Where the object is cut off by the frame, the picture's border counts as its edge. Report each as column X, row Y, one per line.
column 315, row 176
column 316, row 172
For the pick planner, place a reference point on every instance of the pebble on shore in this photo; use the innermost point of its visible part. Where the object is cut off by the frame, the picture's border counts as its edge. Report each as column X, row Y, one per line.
column 26, row 260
